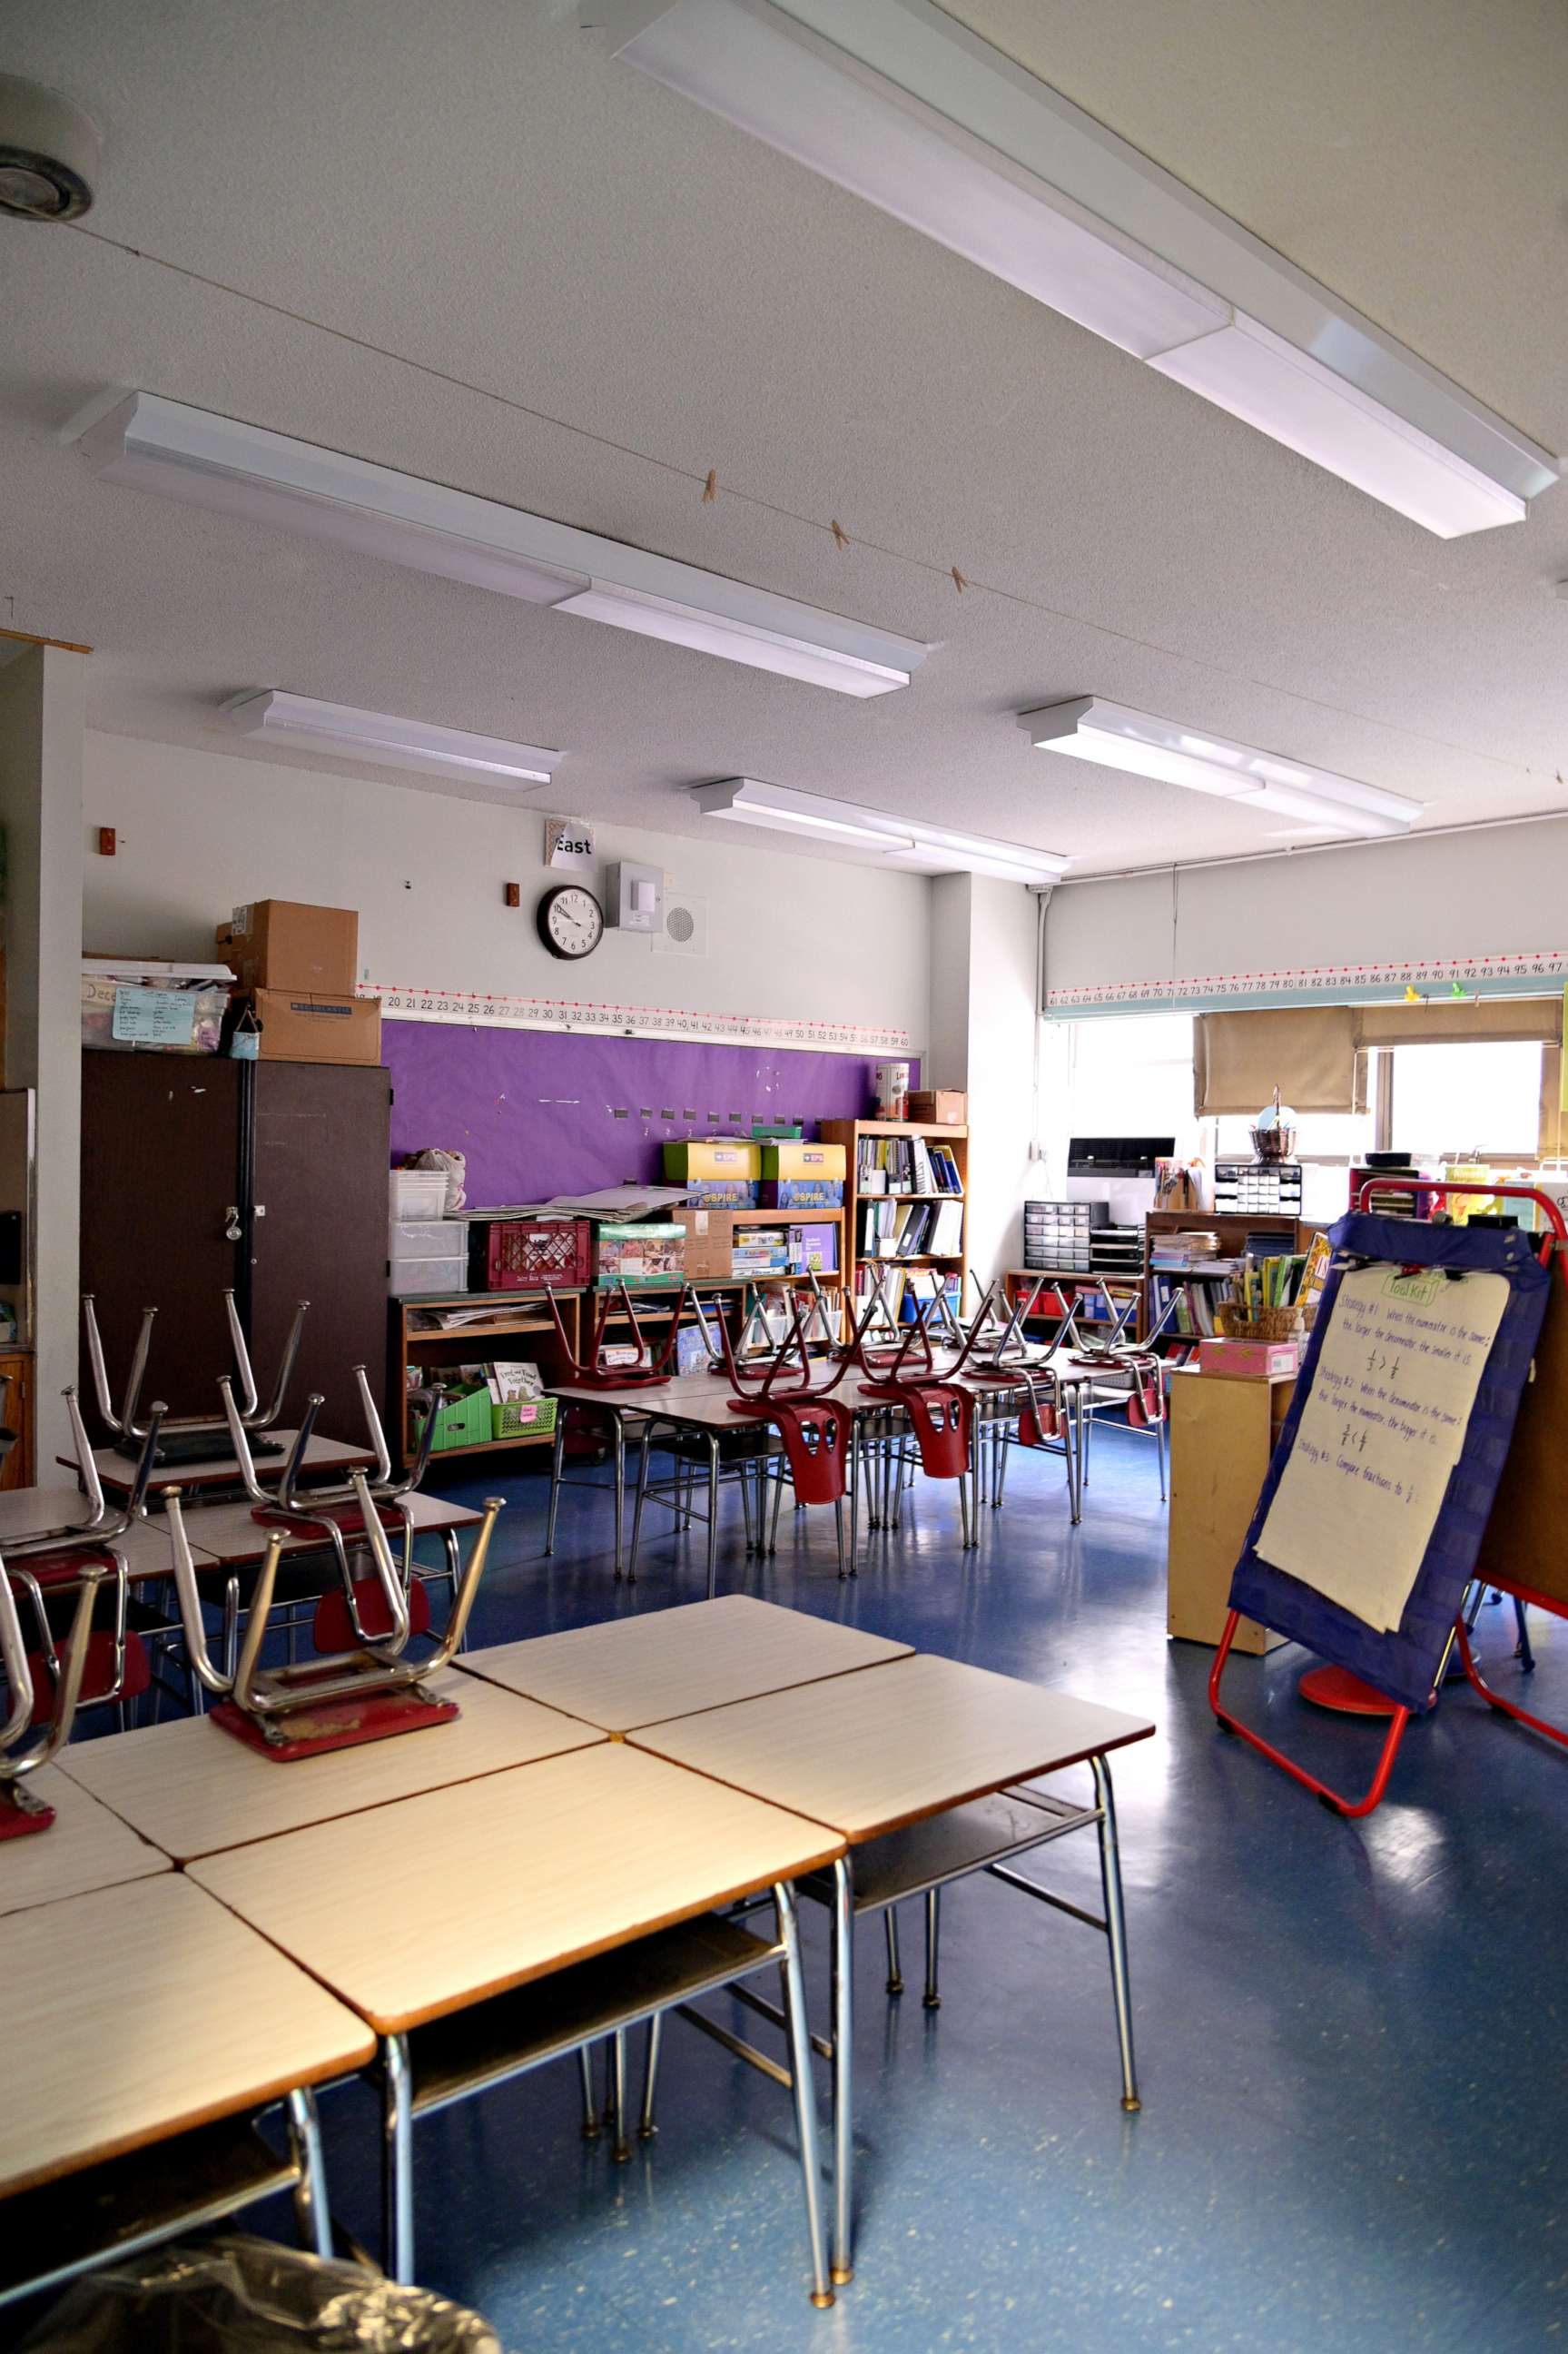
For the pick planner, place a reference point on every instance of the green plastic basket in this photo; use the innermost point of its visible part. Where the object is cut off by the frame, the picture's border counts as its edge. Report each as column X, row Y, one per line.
column 461, row 1422
column 523, row 1418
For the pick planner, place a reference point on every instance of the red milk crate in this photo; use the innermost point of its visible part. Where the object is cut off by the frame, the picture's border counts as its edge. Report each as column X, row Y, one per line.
column 520, row 1252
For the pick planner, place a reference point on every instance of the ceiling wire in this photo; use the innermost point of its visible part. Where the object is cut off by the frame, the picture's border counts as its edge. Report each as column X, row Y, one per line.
column 961, row 580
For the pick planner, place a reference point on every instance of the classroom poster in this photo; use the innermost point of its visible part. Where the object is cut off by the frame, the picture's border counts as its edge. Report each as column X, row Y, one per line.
column 1380, row 1433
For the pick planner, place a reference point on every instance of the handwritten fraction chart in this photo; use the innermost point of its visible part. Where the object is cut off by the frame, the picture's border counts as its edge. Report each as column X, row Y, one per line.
column 1381, row 1433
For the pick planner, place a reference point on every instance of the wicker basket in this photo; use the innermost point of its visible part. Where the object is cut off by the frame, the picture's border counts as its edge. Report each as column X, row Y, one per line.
column 1273, row 1324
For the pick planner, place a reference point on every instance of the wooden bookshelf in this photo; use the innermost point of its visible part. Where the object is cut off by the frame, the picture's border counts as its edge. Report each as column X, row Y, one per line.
column 848, row 1133
column 1232, row 1227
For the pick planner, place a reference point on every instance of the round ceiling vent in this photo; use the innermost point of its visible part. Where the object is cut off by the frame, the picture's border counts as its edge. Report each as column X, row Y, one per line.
column 49, row 152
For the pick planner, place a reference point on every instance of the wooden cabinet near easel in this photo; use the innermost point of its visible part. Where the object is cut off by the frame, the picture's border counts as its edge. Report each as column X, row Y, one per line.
column 1221, row 1436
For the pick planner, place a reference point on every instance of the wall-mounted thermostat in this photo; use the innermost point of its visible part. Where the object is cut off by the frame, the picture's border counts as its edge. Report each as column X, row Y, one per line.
column 632, row 896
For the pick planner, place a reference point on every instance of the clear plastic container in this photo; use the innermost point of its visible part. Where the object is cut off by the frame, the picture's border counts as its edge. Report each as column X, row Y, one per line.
column 410, row 1277
column 427, row 1238
column 417, row 1193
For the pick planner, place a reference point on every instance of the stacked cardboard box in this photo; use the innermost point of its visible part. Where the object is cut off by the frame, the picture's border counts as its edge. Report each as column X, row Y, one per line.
column 296, row 967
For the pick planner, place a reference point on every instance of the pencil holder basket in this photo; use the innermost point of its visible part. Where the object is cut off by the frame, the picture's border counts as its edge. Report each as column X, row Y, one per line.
column 1272, row 1324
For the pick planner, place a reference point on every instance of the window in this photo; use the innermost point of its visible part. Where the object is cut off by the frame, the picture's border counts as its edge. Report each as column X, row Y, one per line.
column 1465, row 1102
column 1132, row 1075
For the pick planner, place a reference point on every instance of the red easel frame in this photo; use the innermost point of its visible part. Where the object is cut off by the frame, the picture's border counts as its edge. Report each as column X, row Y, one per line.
column 1556, row 1232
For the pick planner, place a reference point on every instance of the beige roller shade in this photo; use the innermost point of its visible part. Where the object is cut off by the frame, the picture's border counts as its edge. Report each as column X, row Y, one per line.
column 1308, row 1053
column 1458, row 1020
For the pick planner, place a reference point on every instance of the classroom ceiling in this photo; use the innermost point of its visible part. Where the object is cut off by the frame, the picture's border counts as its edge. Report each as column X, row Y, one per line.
column 463, row 242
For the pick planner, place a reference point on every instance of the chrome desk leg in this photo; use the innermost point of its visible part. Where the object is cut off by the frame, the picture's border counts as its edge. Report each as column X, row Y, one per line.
column 964, row 1511
column 592, row 2128
column 743, row 1474
column 890, row 1929
column 230, row 1626
column 1159, row 1449
column 641, row 1494
column 620, row 2148
column 646, row 2129
column 398, row 2160
column 805, row 2091
column 309, row 2191
column 713, row 1514
column 844, row 2072
column 619, row 1476
column 845, row 1569
column 779, row 1471
column 557, row 1456
column 933, row 1938
column 1116, row 1930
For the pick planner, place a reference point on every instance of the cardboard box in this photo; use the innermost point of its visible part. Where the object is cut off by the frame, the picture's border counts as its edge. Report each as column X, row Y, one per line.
column 800, row 1194
column 1221, row 1436
column 283, row 943
column 822, row 1163
column 722, row 1193
column 304, row 1026
column 1250, row 1360
column 724, row 1157
column 939, row 1107
column 710, row 1239
column 641, row 1257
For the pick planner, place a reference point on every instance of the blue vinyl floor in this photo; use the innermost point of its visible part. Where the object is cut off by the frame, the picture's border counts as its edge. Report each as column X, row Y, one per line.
column 1350, row 2036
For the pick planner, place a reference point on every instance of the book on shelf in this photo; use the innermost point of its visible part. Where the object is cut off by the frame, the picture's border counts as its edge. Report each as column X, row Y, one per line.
column 1193, row 1315
column 909, row 1292
column 905, row 1164
column 894, row 1229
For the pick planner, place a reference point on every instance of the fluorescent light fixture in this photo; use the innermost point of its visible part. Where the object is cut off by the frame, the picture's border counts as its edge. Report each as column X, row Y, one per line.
column 894, row 101
column 1089, row 729
column 930, row 850
column 298, row 723
column 269, row 478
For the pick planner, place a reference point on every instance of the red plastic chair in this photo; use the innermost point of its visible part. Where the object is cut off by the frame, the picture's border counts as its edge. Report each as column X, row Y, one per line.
column 817, row 1431
column 114, row 1671
column 332, row 1628
column 940, row 1413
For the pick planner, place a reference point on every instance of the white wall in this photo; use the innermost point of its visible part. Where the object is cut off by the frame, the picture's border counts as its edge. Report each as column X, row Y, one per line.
column 983, row 1027
column 41, row 703
column 201, row 833
column 1489, row 891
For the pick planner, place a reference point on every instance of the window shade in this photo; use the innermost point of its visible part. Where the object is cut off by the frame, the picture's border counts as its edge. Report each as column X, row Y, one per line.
column 1459, row 1021
column 1308, row 1053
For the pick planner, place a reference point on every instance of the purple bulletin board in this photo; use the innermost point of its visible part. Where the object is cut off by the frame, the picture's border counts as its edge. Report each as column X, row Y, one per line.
column 542, row 1112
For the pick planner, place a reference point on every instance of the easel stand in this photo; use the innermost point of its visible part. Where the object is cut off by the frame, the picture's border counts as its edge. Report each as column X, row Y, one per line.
column 1482, row 1500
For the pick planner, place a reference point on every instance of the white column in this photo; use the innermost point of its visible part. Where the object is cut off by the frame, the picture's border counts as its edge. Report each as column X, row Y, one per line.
column 983, row 1035
column 42, row 695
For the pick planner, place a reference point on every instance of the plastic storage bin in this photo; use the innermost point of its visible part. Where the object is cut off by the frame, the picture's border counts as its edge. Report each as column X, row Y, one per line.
column 410, row 1239
column 408, row 1278
column 515, row 1253
column 461, row 1422
column 523, row 1417
column 417, row 1193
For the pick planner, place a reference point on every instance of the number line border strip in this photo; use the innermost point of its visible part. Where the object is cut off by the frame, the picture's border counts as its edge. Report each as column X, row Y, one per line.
column 478, row 1009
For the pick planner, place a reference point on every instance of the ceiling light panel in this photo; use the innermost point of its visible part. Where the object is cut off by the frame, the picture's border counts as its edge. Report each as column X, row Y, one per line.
column 1087, row 728
column 932, row 849
column 298, row 723
column 895, row 102
column 270, row 478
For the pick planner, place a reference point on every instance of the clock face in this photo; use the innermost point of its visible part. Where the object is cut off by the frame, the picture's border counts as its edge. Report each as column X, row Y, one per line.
column 571, row 922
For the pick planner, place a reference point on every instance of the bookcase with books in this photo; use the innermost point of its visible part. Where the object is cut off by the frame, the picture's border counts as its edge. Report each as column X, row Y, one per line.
column 1195, row 1275
column 906, row 1197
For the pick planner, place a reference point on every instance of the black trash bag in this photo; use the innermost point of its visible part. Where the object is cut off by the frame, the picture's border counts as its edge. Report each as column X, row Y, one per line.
column 234, row 2294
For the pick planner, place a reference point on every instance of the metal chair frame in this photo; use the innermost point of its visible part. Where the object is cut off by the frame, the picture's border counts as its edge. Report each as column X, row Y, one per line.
column 254, row 1416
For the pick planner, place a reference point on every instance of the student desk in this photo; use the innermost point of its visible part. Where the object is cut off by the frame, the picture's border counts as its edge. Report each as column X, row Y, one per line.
column 121, row 2054
column 916, row 1764
column 26, row 1512
column 193, row 1789
column 234, row 1539
column 118, row 1472
column 426, row 1915
column 85, row 1847
column 628, row 1673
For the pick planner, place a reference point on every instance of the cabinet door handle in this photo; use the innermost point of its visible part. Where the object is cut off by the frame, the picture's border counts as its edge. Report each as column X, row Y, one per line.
column 232, row 1230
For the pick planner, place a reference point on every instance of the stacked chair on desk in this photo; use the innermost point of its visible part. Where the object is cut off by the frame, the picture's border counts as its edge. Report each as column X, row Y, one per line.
column 66, row 1664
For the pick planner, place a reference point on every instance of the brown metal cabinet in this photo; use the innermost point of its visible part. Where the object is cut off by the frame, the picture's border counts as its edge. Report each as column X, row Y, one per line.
column 200, row 1174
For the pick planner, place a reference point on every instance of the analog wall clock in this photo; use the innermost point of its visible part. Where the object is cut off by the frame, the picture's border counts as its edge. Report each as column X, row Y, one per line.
column 570, row 921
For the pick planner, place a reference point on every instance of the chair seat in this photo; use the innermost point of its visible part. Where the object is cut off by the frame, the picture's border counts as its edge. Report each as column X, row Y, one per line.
column 333, row 1630
column 348, row 1518
column 57, row 1569
column 97, row 1676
